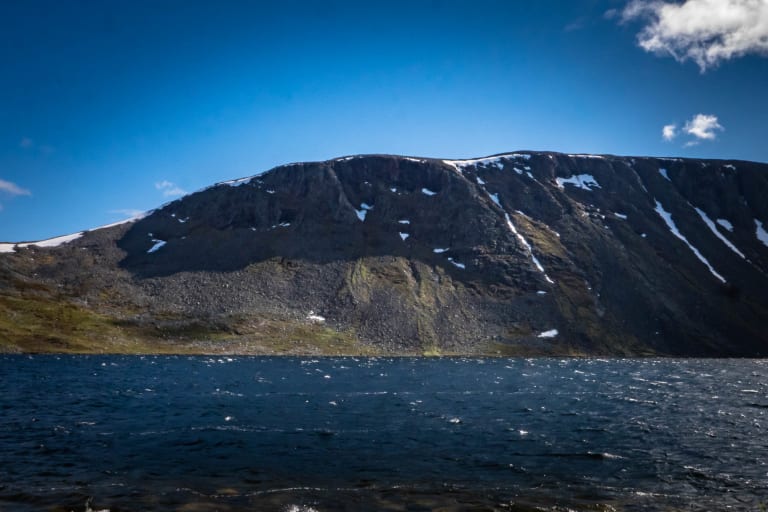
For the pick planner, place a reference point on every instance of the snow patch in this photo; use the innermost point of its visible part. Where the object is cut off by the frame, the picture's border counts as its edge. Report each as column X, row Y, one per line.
column 527, row 246
column 663, row 172
column 158, row 244
column 403, row 221
column 729, row 166
column 403, row 236
column 673, row 228
column 727, row 225
column 583, row 181
column 495, row 199
column 494, row 161
column 393, row 190
column 55, row 242
column 760, row 232
column 549, row 334
column 361, row 213
column 128, row 220
column 238, row 182
column 596, row 157
column 427, row 192
column 479, row 180
column 457, row 264
column 712, row 227
column 51, row 242
column 439, row 250
column 620, row 215
column 490, row 161
column 313, row 317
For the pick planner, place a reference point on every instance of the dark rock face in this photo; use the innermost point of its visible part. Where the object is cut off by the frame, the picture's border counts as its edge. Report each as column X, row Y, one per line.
column 522, row 253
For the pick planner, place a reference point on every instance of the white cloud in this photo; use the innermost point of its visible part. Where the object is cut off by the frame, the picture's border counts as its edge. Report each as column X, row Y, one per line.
column 169, row 189
column 13, row 189
column 30, row 145
column 669, row 131
column 704, row 31
column 127, row 212
column 703, row 127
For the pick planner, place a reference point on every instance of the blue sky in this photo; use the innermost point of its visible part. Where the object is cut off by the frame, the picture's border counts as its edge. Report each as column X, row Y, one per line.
column 109, row 108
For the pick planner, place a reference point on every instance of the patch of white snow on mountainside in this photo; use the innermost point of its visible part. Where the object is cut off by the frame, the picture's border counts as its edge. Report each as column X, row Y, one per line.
column 480, row 180
column 128, row 220
column 403, row 221
column 238, row 182
column 495, row 161
column 55, row 242
column 726, row 224
column 427, row 192
column 549, row 334
column 597, row 157
column 403, row 236
column 583, row 181
column 620, row 215
column 663, row 172
column 363, row 211
column 60, row 240
column 313, row 317
column 712, row 227
column 457, row 264
column 667, row 217
column 760, row 232
column 527, row 246
column 495, row 199
column 51, row 242
column 440, row 250
column 158, row 244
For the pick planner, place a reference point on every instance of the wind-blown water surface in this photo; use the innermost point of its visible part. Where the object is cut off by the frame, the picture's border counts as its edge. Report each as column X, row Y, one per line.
column 261, row 433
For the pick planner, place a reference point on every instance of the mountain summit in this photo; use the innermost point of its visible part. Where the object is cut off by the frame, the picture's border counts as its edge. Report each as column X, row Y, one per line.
column 515, row 254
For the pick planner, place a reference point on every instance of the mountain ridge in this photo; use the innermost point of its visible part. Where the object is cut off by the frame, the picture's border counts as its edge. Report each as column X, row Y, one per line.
column 514, row 253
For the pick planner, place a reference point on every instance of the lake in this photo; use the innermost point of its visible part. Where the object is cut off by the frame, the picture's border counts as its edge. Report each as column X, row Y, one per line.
column 306, row 434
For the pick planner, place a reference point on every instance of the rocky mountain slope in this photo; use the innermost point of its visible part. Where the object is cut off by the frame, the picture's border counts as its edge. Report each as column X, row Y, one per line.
column 514, row 254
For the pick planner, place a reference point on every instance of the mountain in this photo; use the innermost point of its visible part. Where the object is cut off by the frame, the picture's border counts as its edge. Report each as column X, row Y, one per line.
column 516, row 254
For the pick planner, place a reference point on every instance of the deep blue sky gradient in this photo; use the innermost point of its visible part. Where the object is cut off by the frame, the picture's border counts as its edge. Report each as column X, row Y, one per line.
column 101, row 100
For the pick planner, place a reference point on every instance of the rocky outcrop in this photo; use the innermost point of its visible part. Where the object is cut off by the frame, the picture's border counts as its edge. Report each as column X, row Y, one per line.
column 521, row 253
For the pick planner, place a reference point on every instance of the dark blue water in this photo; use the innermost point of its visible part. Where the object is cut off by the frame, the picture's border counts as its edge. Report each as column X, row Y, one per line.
column 302, row 434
